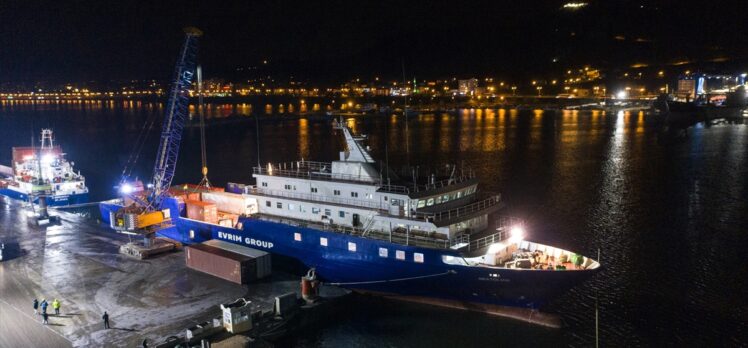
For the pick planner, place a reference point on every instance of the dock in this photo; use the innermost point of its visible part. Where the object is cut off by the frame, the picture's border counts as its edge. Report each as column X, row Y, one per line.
column 77, row 262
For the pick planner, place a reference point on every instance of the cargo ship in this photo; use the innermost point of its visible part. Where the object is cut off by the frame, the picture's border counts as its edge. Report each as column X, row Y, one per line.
column 43, row 171
column 438, row 241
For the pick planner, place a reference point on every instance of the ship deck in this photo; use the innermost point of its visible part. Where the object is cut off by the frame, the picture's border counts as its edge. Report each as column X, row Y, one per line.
column 412, row 239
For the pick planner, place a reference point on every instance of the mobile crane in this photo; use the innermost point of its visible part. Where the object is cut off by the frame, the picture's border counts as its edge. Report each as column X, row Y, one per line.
column 146, row 215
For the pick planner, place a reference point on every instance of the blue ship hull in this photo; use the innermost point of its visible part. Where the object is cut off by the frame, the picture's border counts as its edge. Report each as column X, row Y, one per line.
column 361, row 264
column 52, row 201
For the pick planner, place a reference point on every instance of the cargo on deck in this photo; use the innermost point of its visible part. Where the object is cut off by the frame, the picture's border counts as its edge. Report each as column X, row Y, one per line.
column 231, row 202
column 202, row 211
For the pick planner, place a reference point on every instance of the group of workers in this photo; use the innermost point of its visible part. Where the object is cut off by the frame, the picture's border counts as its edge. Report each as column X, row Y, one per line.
column 43, row 306
column 56, row 304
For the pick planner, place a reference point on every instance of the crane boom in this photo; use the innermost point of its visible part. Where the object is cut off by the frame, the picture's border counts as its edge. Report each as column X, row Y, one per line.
column 146, row 215
column 176, row 113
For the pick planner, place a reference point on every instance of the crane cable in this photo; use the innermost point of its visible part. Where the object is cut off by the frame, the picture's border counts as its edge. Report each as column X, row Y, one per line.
column 204, row 182
column 138, row 146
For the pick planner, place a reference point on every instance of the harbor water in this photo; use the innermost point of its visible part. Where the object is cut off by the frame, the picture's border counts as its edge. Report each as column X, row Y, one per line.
column 668, row 214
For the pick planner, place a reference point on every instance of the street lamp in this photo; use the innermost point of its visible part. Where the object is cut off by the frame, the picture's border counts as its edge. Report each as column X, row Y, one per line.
column 514, row 90
column 539, row 88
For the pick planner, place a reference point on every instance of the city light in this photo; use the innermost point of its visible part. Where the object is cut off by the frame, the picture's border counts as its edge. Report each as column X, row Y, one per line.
column 574, row 5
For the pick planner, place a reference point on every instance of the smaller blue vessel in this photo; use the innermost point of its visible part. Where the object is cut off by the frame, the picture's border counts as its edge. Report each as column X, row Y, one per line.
column 43, row 170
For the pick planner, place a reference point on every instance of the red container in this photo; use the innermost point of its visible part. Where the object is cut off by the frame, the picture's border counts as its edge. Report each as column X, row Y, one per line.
column 228, row 261
column 218, row 262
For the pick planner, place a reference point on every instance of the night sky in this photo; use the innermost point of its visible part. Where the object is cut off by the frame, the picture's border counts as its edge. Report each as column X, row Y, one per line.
column 331, row 41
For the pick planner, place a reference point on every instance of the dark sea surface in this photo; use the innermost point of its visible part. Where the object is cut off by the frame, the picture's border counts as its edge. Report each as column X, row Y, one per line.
column 669, row 214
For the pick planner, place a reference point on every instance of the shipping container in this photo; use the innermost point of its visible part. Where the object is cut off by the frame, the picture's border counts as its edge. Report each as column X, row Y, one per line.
column 189, row 192
column 263, row 259
column 238, row 267
column 231, row 202
column 216, row 262
column 202, row 211
column 226, row 219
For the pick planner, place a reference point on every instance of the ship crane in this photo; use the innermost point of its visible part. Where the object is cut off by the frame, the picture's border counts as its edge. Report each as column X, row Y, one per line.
column 146, row 215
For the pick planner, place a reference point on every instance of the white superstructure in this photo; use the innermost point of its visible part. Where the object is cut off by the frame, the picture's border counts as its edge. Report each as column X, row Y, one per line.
column 351, row 194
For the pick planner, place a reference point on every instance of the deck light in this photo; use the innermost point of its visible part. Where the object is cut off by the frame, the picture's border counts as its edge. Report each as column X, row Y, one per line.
column 126, row 188
column 518, row 233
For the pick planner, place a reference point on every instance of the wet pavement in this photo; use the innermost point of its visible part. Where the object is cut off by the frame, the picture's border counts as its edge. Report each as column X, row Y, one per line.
column 77, row 262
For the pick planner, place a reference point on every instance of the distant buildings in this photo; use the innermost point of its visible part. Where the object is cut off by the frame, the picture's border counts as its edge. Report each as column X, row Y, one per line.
column 691, row 86
column 467, row 87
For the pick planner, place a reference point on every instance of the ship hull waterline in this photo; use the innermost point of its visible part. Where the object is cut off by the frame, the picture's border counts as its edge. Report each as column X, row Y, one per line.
column 52, row 200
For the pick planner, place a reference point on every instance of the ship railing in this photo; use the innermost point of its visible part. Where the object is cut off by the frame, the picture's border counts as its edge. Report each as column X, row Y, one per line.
column 403, row 238
column 311, row 174
column 459, row 241
column 504, row 226
column 317, row 198
column 443, row 183
column 462, row 211
column 394, row 189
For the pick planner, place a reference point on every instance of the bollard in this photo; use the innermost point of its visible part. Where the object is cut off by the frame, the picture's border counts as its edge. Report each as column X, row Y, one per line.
column 310, row 287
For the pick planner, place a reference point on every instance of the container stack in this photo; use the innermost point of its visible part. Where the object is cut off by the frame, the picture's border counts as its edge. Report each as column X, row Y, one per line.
column 227, row 220
column 184, row 194
column 202, row 211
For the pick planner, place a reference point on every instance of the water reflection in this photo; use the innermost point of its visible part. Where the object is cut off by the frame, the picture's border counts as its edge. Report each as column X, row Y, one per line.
column 304, row 138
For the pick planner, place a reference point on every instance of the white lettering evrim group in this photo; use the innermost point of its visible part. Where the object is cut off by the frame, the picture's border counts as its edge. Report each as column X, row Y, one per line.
column 249, row 241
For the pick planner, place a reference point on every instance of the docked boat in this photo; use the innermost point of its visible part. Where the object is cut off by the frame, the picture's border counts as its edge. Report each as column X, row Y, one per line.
column 43, row 171
column 366, row 229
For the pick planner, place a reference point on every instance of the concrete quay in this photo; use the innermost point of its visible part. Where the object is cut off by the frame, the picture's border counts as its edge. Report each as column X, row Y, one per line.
column 78, row 263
